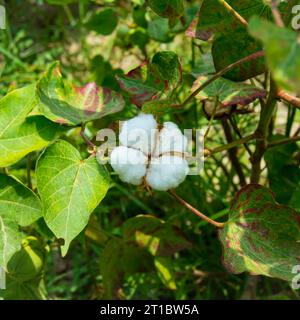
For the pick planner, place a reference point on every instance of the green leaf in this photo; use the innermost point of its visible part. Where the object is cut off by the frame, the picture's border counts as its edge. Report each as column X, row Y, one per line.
column 18, row 206
column 70, row 189
column 111, row 268
column 165, row 272
column 159, row 30
column 20, row 135
column 159, row 107
column 139, row 37
column 284, row 172
column 168, row 67
column 228, row 92
column 214, row 18
column 234, row 46
column 152, row 80
column 62, row 102
column 31, row 290
column 282, row 47
column 172, row 9
column 103, row 22
column 61, row 2
column 34, row 134
column 261, row 236
column 158, row 237
column 17, row 202
column 10, row 239
column 28, row 263
column 119, row 259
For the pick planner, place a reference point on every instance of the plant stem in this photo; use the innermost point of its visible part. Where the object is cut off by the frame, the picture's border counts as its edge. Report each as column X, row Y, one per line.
column 276, row 14
column 212, row 117
column 69, row 15
column 233, row 12
column 232, row 152
column 283, row 141
column 87, row 141
column 289, row 98
column 261, row 133
column 230, row 145
column 195, row 211
column 237, row 131
column 219, row 74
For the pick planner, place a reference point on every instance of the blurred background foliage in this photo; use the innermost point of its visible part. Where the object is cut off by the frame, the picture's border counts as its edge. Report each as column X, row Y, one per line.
column 95, row 41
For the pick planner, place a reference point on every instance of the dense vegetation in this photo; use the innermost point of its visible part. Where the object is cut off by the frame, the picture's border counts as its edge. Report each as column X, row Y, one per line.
column 70, row 228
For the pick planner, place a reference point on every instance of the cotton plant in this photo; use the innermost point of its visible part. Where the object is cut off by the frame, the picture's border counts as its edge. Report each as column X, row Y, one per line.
column 150, row 153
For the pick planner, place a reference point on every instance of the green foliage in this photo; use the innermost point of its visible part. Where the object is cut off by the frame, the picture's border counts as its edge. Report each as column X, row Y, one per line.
column 150, row 81
column 261, row 236
column 103, row 22
column 232, row 47
column 70, row 189
column 20, row 133
column 172, row 9
column 282, row 51
column 69, row 228
column 228, row 92
column 19, row 206
column 25, row 272
column 62, row 102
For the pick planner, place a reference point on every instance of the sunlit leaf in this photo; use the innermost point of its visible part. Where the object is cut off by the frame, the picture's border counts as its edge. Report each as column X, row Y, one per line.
column 70, row 189
column 19, row 206
column 64, row 103
column 19, row 134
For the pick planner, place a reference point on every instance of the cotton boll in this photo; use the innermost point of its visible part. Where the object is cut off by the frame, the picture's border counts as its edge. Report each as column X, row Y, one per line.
column 166, row 172
column 139, row 133
column 130, row 164
column 170, row 139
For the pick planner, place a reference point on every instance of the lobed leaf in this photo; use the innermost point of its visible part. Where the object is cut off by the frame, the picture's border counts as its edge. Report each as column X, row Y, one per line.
column 261, row 236
column 70, row 189
column 282, row 49
column 228, row 92
column 64, row 103
column 20, row 134
column 150, row 81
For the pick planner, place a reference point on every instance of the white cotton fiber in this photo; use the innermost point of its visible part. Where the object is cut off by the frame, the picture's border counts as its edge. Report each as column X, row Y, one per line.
column 139, row 133
column 170, row 139
column 129, row 163
column 166, row 172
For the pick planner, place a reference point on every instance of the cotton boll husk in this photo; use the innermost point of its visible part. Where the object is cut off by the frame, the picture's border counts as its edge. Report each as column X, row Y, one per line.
column 130, row 164
column 166, row 172
column 170, row 139
column 139, row 133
